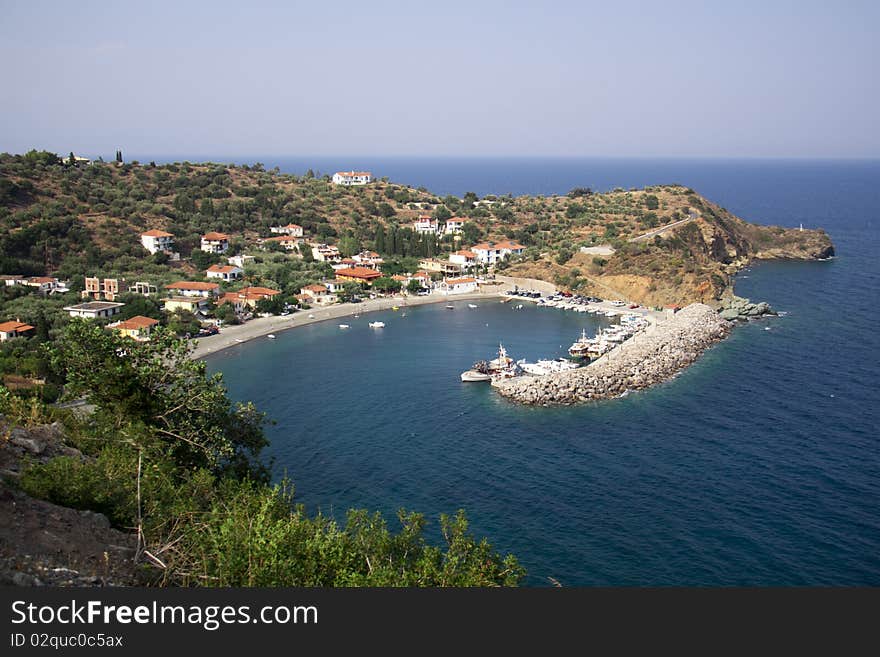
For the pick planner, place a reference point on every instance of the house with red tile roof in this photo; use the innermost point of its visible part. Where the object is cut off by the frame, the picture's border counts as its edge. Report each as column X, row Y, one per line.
column 352, row 177
column 137, row 328
column 194, row 289
column 462, row 285
column 488, row 253
column 215, row 242
column 358, row 275
column 16, row 329
column 293, row 230
column 157, row 240
column 224, row 272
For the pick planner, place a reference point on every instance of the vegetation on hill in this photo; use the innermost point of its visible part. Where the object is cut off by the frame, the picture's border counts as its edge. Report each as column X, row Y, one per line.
column 167, row 455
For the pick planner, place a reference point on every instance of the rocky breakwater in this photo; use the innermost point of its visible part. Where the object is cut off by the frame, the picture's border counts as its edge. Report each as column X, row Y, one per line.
column 743, row 309
column 646, row 359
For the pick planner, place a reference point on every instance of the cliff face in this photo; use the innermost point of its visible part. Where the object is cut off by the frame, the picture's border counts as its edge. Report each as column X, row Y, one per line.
column 692, row 261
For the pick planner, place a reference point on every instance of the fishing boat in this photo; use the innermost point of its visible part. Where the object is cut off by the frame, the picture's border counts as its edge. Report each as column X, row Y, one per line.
column 473, row 376
column 502, row 367
column 472, row 305
column 343, row 326
column 271, row 336
column 450, row 306
column 579, row 347
column 377, row 324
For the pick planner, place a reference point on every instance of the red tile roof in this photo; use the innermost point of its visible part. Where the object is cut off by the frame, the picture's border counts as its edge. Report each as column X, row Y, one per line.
column 354, row 173
column 215, row 237
column 8, row 327
column 156, row 233
column 223, row 269
column 466, row 253
column 192, row 285
column 137, row 323
column 358, row 272
column 458, row 281
column 315, row 288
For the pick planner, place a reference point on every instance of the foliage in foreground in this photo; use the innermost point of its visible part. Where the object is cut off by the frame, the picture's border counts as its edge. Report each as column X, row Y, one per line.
column 167, row 452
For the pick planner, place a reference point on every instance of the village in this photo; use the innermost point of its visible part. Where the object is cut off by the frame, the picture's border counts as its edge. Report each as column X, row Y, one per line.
column 224, row 287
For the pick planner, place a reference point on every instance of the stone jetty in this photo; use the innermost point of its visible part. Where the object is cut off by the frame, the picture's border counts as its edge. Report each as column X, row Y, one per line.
column 648, row 358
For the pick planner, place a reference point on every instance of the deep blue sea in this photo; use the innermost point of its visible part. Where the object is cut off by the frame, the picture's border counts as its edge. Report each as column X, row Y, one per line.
column 759, row 465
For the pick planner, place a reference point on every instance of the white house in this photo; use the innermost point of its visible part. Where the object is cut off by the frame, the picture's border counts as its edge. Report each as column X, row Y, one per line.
column 240, row 260
column 464, row 258
column 488, row 253
column 289, row 242
column 454, row 225
column 293, row 230
column 225, row 272
column 94, row 309
column 324, row 253
column 194, row 289
column 44, row 284
column 215, row 242
column 352, row 177
column 368, row 259
column 425, row 224
column 460, row 285
column 318, row 294
column 157, row 240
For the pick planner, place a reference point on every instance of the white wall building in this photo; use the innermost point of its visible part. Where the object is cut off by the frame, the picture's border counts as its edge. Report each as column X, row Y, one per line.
column 426, row 225
column 464, row 258
column 454, row 225
column 488, row 253
column 240, row 260
column 294, row 230
column 225, row 272
column 352, row 177
column 215, row 242
column 459, row 285
column 94, row 309
column 157, row 240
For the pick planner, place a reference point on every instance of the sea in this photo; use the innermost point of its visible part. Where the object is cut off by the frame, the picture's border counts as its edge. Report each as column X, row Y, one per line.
column 757, row 466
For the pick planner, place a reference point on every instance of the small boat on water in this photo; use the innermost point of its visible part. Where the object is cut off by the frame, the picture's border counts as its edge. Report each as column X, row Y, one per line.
column 395, row 307
column 547, row 366
column 450, row 306
column 377, row 324
column 579, row 347
column 271, row 336
column 497, row 369
column 472, row 305
column 343, row 326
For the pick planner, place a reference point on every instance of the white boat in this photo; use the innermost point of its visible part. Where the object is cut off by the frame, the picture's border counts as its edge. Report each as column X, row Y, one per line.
column 579, row 347
column 271, row 336
column 311, row 317
column 450, row 306
column 377, row 324
column 343, row 326
column 473, row 376
column 472, row 305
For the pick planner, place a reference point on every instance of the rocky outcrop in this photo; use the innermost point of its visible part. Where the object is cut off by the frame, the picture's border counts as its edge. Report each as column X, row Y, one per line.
column 739, row 308
column 646, row 359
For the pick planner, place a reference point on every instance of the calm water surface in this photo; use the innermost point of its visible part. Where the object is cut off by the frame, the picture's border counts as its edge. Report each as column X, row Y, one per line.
column 760, row 465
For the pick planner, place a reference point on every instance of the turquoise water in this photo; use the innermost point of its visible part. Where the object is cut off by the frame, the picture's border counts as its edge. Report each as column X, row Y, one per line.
column 760, row 465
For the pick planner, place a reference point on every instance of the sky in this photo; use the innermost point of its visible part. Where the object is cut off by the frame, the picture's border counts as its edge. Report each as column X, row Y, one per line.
column 544, row 78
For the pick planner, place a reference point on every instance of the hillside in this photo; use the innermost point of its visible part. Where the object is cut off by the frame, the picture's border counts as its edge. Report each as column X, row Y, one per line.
column 71, row 221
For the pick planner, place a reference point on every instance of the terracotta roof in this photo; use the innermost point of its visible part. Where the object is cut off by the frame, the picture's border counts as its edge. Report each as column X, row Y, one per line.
column 421, row 274
column 42, row 279
column 8, row 327
column 137, row 323
column 255, row 292
column 492, row 246
column 156, row 233
column 466, row 253
column 281, row 238
column 457, row 281
column 398, row 277
column 223, row 269
column 354, row 173
column 215, row 236
column 358, row 272
column 315, row 288
column 191, row 285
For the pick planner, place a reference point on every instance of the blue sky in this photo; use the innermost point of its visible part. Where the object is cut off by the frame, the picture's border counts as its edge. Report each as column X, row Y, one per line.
column 629, row 79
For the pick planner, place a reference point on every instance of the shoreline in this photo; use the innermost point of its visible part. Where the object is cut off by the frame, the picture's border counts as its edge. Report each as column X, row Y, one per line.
column 236, row 334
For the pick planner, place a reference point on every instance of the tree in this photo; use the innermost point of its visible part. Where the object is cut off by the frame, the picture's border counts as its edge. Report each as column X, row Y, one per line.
column 442, row 213
column 349, row 291
column 182, row 322
column 158, row 399
column 138, row 304
column 305, row 250
column 414, row 286
column 470, row 232
column 349, row 246
column 386, row 210
column 578, row 192
column 386, row 284
column 379, row 242
column 71, row 160
column 272, row 305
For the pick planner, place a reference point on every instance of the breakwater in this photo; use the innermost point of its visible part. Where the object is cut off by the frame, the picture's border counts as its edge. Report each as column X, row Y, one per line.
column 646, row 359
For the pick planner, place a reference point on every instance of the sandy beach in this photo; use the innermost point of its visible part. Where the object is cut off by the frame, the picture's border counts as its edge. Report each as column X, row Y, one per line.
column 233, row 335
